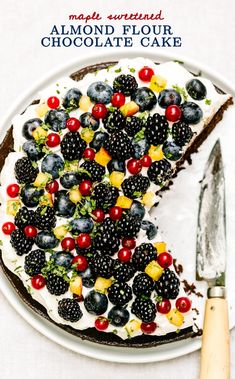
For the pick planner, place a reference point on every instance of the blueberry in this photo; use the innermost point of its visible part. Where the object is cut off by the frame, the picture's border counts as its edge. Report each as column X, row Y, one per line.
column 98, row 140
column 196, row 89
column 172, row 151
column 72, row 98
column 145, row 98
column 150, row 228
column 169, row 97
column 89, row 121
column 30, row 195
column 46, row 240
column 33, row 151
column 96, row 303
column 52, row 164
column 191, row 113
column 137, row 210
column 56, row 119
column 88, row 280
column 81, row 225
column 118, row 316
column 29, row 126
column 100, row 92
column 69, row 179
column 116, row 165
column 63, row 205
column 62, row 258
column 141, row 147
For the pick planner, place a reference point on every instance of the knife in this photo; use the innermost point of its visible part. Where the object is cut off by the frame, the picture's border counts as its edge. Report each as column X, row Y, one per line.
column 211, row 266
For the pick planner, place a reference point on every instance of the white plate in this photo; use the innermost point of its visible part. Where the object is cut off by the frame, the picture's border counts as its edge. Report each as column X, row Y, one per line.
column 175, row 226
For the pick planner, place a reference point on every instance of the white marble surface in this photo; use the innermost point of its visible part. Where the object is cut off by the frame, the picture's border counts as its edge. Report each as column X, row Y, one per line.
column 207, row 29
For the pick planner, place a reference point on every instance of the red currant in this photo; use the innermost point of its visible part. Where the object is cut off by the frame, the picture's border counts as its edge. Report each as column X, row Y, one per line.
column 73, row 124
column 38, row 282
column 85, row 187
column 53, row 140
column 148, row 328
column 52, row 187
column 173, row 113
column 146, row 161
column 89, row 154
column 183, row 304
column 81, row 262
column 84, row 240
column 30, row 231
column 165, row 260
column 53, row 102
column 118, row 99
column 101, row 323
column 99, row 111
column 146, row 73
column 99, row 215
column 13, row 190
column 68, row 244
column 115, row 213
column 134, row 166
column 164, row 306
column 78, row 298
column 124, row 254
column 129, row 243
column 8, row 227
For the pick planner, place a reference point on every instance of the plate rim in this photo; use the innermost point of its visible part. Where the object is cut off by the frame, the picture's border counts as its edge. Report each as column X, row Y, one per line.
column 89, row 349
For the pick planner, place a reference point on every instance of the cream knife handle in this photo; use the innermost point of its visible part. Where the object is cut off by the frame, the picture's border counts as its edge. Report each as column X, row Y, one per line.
column 215, row 354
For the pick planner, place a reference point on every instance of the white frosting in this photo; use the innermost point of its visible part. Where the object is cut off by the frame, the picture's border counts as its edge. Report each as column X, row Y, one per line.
column 175, row 75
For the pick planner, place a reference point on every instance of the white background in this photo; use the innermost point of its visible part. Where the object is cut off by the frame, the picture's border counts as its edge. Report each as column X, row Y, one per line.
column 208, row 30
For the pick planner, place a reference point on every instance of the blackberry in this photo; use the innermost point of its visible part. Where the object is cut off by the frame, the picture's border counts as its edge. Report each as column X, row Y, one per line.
column 69, row 310
column 56, row 285
column 34, row 262
column 95, row 170
column 144, row 309
column 72, row 146
column 168, row 285
column 181, row 133
column 143, row 285
column 45, row 218
column 125, row 84
column 119, row 293
column 20, row 242
column 24, row 217
column 156, row 129
column 135, row 186
column 133, row 125
column 119, row 146
column 106, row 242
column 159, row 171
column 102, row 265
column 25, row 172
column 143, row 254
column 114, row 121
column 123, row 272
column 128, row 226
column 105, row 195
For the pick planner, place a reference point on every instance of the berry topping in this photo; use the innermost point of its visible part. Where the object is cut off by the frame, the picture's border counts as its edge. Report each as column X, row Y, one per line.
column 56, row 285
column 146, row 73
column 30, row 231
column 129, row 243
column 159, row 171
column 119, row 293
column 133, row 125
column 96, row 303
column 135, row 186
column 164, row 306
column 34, row 262
column 53, row 102
column 105, row 195
column 118, row 99
column 89, row 154
column 94, row 169
column 119, row 146
column 183, row 304
column 72, row 98
column 56, row 119
column 148, row 328
column 145, row 98
column 126, row 84
column 69, row 310
column 114, row 121
column 100, row 92
column 191, row 113
column 143, row 285
column 124, row 255
column 20, row 242
column 13, row 190
column 52, row 164
column 101, row 323
column 72, row 146
column 81, row 262
column 143, row 254
column 8, row 227
column 181, row 133
column 61, row 258
column 146, row 161
column 196, row 89
column 24, row 217
column 99, row 111
column 144, row 309
column 168, row 285
column 156, row 129
column 134, row 166
column 99, row 215
column 173, row 113
column 115, row 213
column 73, row 124
column 118, row 316
column 102, row 265
column 68, row 244
column 165, row 259
column 38, row 282
column 44, row 218
column 25, row 172
column 83, row 240
column 172, row 151
column 29, row 126
column 123, row 272
column 169, row 97
column 85, row 187
column 128, row 226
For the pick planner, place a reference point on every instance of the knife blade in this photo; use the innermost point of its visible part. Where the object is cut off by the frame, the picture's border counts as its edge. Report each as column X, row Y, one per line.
column 210, row 266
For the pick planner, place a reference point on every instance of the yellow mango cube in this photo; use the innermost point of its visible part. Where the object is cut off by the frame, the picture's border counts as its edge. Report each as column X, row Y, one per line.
column 84, row 103
column 157, row 83
column 160, row 246
column 42, row 109
column 87, row 135
column 12, row 207
column 41, row 180
column 175, row 317
column 116, row 178
column 133, row 326
column 75, row 285
column 154, row 270
column 102, row 157
column 129, row 109
column 124, row 202
column 39, row 134
column 46, row 200
column 148, row 199
column 60, row 231
column 102, row 284
column 75, row 195
column 156, row 153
